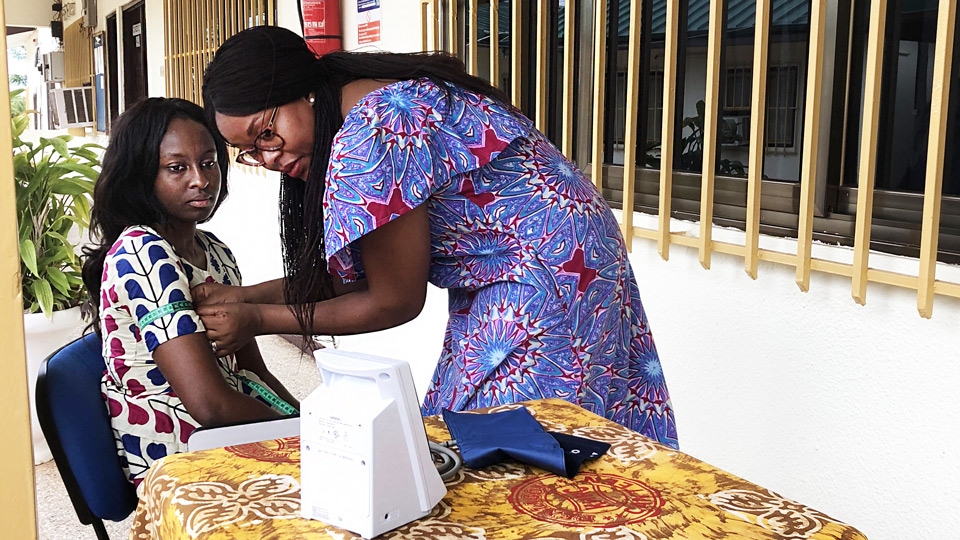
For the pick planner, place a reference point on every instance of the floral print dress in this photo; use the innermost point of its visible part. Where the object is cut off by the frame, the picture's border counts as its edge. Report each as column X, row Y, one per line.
column 543, row 302
column 145, row 302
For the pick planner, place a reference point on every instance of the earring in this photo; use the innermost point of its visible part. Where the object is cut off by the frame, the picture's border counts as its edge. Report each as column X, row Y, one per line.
column 311, row 99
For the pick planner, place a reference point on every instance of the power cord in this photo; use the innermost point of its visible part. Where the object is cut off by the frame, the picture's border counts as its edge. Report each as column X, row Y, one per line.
column 448, row 461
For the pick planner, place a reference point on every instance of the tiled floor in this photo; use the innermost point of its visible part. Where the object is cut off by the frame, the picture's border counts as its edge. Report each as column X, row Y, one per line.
column 58, row 521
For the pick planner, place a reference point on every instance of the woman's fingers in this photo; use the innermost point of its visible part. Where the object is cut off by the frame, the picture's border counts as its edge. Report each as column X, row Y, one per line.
column 199, row 294
column 224, row 327
column 215, row 293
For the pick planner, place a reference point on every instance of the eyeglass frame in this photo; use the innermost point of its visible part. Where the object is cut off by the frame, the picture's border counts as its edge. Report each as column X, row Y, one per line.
column 265, row 132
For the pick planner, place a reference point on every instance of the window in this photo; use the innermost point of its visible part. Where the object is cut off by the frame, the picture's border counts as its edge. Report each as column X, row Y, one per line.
column 781, row 117
column 505, row 12
column 738, row 90
column 781, row 103
column 905, row 110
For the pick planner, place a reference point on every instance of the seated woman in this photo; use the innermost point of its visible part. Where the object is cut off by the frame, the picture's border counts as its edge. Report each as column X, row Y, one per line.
column 162, row 174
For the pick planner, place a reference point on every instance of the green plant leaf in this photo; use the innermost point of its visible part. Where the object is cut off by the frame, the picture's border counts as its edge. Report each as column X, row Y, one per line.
column 20, row 123
column 87, row 154
column 28, row 254
column 44, row 295
column 69, row 186
column 24, row 231
column 85, row 170
column 52, row 183
column 66, row 253
column 59, row 237
column 60, row 146
column 59, row 280
column 81, row 207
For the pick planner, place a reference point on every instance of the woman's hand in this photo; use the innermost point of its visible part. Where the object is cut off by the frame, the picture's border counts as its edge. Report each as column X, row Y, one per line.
column 230, row 326
column 207, row 294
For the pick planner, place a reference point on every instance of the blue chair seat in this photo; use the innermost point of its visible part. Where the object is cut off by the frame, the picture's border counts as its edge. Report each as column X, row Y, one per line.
column 76, row 424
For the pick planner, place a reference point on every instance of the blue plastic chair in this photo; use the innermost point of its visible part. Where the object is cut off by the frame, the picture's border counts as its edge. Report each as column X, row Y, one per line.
column 75, row 422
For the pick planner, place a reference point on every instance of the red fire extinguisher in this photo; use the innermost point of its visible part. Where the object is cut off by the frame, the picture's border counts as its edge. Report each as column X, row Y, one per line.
column 320, row 20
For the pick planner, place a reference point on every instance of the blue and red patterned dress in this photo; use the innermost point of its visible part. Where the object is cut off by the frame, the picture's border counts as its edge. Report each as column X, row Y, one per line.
column 144, row 302
column 543, row 302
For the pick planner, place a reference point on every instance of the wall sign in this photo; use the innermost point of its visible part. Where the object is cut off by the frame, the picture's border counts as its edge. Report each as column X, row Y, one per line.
column 368, row 21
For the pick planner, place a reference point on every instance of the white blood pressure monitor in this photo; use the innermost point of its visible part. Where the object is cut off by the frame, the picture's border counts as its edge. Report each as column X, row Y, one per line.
column 364, row 461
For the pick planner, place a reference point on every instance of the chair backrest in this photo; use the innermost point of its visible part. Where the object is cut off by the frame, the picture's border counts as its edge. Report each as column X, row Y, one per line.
column 75, row 422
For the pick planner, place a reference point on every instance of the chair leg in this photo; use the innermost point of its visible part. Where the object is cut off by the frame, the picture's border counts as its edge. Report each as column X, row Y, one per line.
column 100, row 529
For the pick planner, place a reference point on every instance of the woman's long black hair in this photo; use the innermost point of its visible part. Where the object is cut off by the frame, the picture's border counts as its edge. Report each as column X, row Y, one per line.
column 124, row 193
column 267, row 66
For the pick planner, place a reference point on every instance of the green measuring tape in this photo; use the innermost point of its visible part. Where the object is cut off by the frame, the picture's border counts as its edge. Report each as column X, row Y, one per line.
column 163, row 311
column 272, row 398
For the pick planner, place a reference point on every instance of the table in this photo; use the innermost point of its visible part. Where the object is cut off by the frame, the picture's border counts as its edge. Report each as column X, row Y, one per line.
column 639, row 490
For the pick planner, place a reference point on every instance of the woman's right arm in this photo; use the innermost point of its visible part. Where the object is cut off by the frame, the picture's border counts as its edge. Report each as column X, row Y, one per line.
column 189, row 365
column 268, row 292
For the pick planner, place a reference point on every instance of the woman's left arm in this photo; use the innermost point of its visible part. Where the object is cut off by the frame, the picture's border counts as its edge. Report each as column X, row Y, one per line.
column 250, row 359
column 396, row 260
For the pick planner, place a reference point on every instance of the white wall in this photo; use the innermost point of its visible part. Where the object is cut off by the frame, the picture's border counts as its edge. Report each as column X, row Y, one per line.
column 849, row 409
column 399, row 26
column 27, row 12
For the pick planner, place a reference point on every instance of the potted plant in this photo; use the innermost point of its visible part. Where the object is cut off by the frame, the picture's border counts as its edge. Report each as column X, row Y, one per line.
column 53, row 182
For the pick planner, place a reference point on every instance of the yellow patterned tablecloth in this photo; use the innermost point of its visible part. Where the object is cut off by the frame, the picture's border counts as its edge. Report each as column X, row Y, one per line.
column 639, row 490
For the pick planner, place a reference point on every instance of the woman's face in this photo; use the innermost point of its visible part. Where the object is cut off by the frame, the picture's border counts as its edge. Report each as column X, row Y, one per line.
column 292, row 123
column 188, row 180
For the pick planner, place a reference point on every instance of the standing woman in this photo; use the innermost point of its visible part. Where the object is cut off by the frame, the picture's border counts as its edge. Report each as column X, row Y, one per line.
column 399, row 169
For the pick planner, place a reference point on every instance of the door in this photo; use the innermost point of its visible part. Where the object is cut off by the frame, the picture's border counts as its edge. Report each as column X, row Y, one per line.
column 113, row 77
column 134, row 54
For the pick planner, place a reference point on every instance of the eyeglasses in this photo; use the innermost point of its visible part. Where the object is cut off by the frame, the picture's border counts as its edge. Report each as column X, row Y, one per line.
column 266, row 141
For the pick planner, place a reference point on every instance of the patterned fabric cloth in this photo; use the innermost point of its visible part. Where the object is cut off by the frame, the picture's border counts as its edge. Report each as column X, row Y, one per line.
column 145, row 302
column 638, row 490
column 543, row 301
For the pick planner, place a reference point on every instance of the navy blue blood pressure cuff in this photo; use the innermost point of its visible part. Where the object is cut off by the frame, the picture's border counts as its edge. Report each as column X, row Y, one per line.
column 486, row 439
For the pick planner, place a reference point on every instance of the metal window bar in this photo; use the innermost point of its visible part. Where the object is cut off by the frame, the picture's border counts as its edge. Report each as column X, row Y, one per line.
column 599, row 77
column 542, row 66
column 425, row 43
column 515, row 53
column 495, row 43
column 710, row 128
column 655, row 108
column 670, row 57
column 933, row 188
column 566, row 136
column 783, row 119
column 472, row 45
column 630, row 133
column 868, row 149
column 737, row 94
column 452, row 35
column 755, row 162
column 808, row 164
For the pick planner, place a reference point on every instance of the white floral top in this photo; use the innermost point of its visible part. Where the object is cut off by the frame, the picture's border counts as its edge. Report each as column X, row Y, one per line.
column 144, row 302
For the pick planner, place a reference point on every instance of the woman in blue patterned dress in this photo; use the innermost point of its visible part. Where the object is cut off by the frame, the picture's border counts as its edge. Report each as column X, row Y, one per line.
column 163, row 173
column 401, row 169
